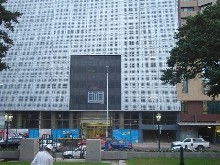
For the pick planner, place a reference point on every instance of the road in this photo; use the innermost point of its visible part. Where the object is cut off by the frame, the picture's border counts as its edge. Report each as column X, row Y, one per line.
column 164, row 146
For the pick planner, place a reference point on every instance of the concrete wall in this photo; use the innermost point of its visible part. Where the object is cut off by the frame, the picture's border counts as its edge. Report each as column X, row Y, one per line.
column 28, row 149
column 93, row 150
column 124, row 155
column 195, row 91
column 203, row 2
column 10, row 154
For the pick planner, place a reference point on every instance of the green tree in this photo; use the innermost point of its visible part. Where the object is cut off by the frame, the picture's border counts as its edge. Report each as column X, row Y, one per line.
column 197, row 51
column 7, row 18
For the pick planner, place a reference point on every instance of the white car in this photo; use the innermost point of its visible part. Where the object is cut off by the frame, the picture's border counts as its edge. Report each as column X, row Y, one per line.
column 176, row 148
column 192, row 143
column 79, row 152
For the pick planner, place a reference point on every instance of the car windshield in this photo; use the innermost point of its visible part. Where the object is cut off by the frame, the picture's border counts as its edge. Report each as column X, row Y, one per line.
column 186, row 140
column 197, row 140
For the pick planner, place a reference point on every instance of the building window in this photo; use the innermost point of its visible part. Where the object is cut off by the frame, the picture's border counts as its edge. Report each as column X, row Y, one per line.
column 187, row 9
column 96, row 97
column 184, row 107
column 213, row 107
column 185, row 86
column 204, row 107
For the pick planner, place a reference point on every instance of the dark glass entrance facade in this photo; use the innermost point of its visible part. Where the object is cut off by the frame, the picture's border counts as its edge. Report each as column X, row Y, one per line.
column 88, row 82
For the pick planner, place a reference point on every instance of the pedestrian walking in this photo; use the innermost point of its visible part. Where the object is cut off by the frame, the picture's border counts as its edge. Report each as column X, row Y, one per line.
column 44, row 157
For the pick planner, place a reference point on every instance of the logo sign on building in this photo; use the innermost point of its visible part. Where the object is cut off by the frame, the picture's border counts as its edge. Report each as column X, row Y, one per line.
column 96, row 97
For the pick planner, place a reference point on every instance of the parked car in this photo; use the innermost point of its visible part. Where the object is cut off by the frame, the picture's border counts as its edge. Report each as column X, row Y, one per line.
column 192, row 143
column 121, row 145
column 13, row 142
column 79, row 152
column 83, row 142
column 56, row 145
column 176, row 148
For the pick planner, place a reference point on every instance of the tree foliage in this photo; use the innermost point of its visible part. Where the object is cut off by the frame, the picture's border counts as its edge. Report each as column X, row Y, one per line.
column 7, row 18
column 197, row 51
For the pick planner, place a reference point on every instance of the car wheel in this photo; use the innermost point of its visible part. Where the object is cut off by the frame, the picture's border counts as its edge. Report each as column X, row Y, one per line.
column 200, row 148
column 70, row 156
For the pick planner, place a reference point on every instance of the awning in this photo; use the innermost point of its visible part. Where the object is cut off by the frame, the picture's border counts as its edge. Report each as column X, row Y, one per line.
column 199, row 123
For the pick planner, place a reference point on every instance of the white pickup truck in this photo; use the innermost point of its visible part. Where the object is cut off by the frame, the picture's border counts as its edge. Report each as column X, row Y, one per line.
column 192, row 143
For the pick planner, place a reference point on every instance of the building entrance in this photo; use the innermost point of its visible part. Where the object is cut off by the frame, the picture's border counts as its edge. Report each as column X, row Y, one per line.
column 94, row 130
column 166, row 136
column 207, row 133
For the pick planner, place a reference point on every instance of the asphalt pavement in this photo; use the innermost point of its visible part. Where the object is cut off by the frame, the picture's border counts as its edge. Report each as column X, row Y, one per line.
column 150, row 146
column 112, row 162
column 165, row 146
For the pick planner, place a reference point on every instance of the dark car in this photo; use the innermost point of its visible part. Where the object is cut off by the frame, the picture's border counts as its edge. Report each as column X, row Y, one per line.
column 121, row 145
column 13, row 142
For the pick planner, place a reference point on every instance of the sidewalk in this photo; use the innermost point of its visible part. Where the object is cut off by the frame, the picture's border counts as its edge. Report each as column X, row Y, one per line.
column 113, row 162
column 116, row 162
column 150, row 146
column 120, row 162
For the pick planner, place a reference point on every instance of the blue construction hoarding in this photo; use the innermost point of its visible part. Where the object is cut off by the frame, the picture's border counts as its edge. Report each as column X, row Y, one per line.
column 126, row 134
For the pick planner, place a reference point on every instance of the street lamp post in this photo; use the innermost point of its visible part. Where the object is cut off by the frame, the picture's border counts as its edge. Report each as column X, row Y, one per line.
column 8, row 119
column 106, row 132
column 158, row 118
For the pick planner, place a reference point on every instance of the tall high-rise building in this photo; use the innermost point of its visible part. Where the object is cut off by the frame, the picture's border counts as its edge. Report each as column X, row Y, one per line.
column 75, row 61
